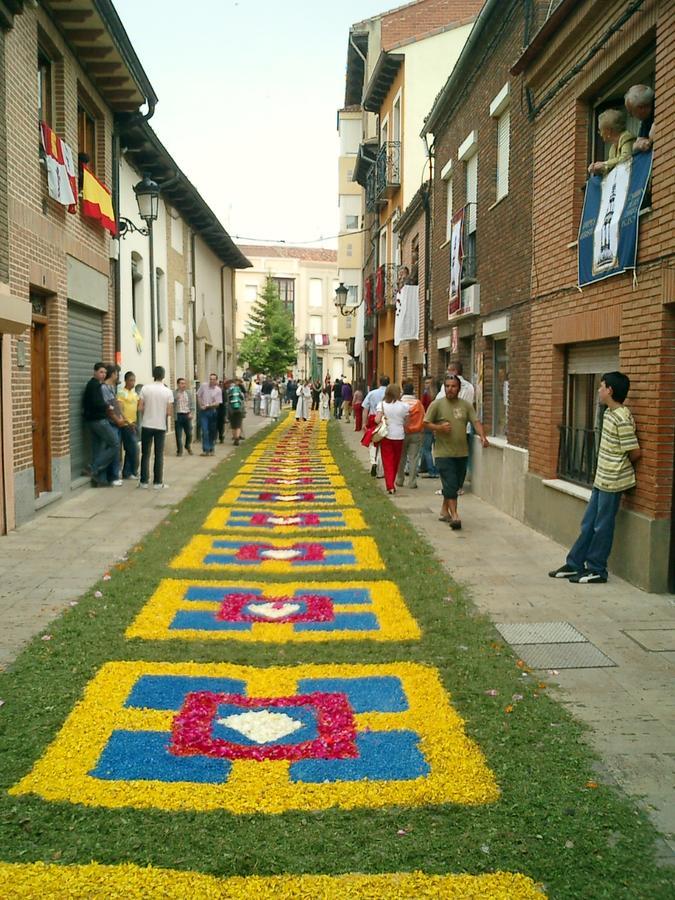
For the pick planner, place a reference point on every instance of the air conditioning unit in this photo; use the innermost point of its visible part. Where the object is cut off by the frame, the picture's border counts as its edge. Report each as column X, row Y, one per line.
column 470, row 301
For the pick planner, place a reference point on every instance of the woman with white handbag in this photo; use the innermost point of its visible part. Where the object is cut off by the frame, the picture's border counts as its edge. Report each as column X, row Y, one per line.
column 390, row 433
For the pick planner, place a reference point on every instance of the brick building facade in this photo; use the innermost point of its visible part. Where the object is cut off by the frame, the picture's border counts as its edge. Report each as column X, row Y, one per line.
column 583, row 60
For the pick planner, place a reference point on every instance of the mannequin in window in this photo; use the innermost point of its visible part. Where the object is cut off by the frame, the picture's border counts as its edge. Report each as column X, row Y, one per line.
column 612, row 127
column 639, row 102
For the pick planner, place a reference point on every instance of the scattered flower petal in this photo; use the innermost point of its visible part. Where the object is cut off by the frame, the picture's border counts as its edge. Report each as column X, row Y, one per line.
column 98, row 595
column 46, row 637
column 73, row 603
column 591, row 784
column 569, row 845
column 508, row 709
column 516, row 698
column 107, row 577
column 491, row 693
column 552, row 672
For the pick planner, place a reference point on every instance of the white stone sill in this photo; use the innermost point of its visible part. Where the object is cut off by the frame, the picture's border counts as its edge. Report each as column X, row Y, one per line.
column 566, row 487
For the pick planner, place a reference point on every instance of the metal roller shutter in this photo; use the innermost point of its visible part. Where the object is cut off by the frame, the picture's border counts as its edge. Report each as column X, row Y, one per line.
column 593, row 358
column 85, row 347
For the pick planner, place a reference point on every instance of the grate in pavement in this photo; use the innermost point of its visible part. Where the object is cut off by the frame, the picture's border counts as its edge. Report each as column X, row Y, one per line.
column 562, row 656
column 653, row 640
column 540, row 633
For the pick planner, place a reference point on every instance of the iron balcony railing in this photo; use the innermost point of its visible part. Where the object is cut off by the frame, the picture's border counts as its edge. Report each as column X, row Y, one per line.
column 469, row 243
column 386, row 286
column 388, row 170
column 369, row 326
column 577, row 454
column 371, row 203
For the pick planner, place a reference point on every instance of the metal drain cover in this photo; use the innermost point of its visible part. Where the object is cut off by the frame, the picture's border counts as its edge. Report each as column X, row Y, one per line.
column 540, row 633
column 653, row 640
column 562, row 656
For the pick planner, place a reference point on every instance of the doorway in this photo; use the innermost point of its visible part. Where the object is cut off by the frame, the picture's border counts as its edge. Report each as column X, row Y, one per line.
column 39, row 367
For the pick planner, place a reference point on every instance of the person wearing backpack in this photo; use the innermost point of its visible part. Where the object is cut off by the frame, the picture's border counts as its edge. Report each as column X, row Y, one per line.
column 235, row 410
column 414, row 437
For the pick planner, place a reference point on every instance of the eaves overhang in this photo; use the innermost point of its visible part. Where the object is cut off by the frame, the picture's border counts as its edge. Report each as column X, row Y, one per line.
column 98, row 40
column 365, row 160
column 146, row 153
column 559, row 15
column 9, row 9
column 384, row 73
column 357, row 48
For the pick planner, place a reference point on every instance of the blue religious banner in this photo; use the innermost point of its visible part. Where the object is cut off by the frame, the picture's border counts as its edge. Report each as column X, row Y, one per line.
column 608, row 234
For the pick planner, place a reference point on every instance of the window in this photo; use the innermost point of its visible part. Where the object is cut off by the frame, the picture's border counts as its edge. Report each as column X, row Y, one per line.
column 352, row 294
column 500, row 389
column 351, row 222
column 315, row 324
column 471, row 175
column 286, row 288
column 448, row 206
column 503, row 141
column 178, row 300
column 349, row 250
column 86, row 136
column 396, row 119
column 44, row 85
column 383, row 247
column 316, row 293
column 250, row 293
column 580, row 431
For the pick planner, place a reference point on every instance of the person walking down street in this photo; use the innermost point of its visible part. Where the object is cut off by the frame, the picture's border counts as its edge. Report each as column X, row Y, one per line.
column 265, row 397
column 221, row 413
column 370, row 403
column 128, row 402
column 109, row 389
column 414, row 435
column 337, row 398
column 209, row 398
column 428, row 465
column 275, row 402
column 257, row 387
column 357, row 406
column 304, row 401
column 347, row 395
column 236, row 409
column 156, row 404
column 316, row 394
column 292, row 392
column 619, row 450
column 448, row 417
column 182, row 404
column 324, row 405
column 95, row 412
column 395, row 413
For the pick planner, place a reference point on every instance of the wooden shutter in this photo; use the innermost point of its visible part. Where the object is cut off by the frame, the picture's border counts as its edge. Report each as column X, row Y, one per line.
column 503, row 140
column 593, row 358
column 471, row 191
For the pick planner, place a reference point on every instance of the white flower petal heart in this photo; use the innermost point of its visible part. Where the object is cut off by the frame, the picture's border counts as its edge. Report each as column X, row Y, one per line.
column 285, row 520
column 272, row 611
column 281, row 554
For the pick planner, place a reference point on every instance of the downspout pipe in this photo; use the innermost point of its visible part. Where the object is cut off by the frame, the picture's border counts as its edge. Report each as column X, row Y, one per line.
column 116, row 266
column 193, row 302
column 427, row 253
column 222, row 314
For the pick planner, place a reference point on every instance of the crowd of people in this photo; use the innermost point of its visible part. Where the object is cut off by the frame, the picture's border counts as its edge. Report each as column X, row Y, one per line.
column 122, row 418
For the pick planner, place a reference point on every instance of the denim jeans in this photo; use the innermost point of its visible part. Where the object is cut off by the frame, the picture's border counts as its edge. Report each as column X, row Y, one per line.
column 183, row 426
column 150, row 436
column 591, row 549
column 129, row 437
column 427, row 455
column 412, row 448
column 113, row 470
column 208, row 421
column 338, row 408
column 452, row 470
column 105, row 447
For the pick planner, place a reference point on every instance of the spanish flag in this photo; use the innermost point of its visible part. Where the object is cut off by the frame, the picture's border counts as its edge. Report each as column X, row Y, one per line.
column 97, row 201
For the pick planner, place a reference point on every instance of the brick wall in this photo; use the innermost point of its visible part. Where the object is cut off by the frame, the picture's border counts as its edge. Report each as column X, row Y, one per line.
column 640, row 315
column 503, row 228
column 43, row 233
column 415, row 20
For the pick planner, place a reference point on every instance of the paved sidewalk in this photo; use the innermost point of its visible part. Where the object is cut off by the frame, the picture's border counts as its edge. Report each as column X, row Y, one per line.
column 57, row 556
column 630, row 707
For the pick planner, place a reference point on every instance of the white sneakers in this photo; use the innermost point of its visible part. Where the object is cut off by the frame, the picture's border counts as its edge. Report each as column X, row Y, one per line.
column 160, row 487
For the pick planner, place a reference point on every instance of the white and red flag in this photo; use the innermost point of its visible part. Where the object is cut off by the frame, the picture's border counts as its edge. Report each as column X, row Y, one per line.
column 61, row 168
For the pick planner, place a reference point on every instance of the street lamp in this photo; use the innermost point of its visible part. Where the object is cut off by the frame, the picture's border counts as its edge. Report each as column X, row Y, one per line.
column 341, row 294
column 147, row 197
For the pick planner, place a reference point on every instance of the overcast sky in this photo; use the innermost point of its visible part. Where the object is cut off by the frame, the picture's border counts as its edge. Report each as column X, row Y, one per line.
column 248, row 93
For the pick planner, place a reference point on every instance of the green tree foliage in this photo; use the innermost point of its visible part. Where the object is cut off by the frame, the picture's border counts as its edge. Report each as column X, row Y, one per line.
column 269, row 343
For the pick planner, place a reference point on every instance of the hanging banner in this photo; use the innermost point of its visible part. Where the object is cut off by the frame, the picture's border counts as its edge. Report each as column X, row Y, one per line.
column 61, row 170
column 456, row 257
column 407, row 322
column 608, row 234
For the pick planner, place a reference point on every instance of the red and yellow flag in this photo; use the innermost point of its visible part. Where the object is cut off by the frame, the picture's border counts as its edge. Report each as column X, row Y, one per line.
column 96, row 201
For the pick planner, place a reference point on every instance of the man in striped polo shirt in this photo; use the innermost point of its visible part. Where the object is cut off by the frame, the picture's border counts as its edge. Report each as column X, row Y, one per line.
column 586, row 562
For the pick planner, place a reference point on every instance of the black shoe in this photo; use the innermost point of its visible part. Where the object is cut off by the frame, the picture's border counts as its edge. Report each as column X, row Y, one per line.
column 564, row 572
column 588, row 578
column 373, row 471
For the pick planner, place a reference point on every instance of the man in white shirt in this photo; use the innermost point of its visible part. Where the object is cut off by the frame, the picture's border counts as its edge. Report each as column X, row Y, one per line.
column 209, row 398
column 156, row 405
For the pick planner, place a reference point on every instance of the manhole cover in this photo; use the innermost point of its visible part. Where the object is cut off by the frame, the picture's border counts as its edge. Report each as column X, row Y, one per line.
column 653, row 640
column 562, row 656
column 540, row 633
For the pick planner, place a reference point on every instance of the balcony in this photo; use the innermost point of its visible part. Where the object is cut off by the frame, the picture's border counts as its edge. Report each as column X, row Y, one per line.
column 369, row 326
column 577, row 454
column 387, row 170
column 386, row 283
column 371, row 204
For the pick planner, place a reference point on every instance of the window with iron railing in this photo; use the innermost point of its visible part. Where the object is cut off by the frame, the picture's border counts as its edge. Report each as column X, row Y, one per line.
column 388, row 169
column 469, row 244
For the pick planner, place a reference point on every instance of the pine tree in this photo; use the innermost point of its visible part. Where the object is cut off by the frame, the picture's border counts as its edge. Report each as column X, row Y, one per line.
column 269, row 343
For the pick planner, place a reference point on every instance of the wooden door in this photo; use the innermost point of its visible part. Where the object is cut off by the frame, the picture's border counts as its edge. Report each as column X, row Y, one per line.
column 39, row 366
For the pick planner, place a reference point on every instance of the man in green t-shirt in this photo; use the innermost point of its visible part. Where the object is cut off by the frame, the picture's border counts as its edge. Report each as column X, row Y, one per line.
column 448, row 417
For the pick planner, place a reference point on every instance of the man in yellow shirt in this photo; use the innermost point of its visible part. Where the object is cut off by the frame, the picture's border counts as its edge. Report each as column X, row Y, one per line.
column 128, row 401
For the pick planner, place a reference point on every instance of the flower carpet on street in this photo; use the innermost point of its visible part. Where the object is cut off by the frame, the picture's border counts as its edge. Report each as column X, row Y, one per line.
column 286, row 611
column 178, row 737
